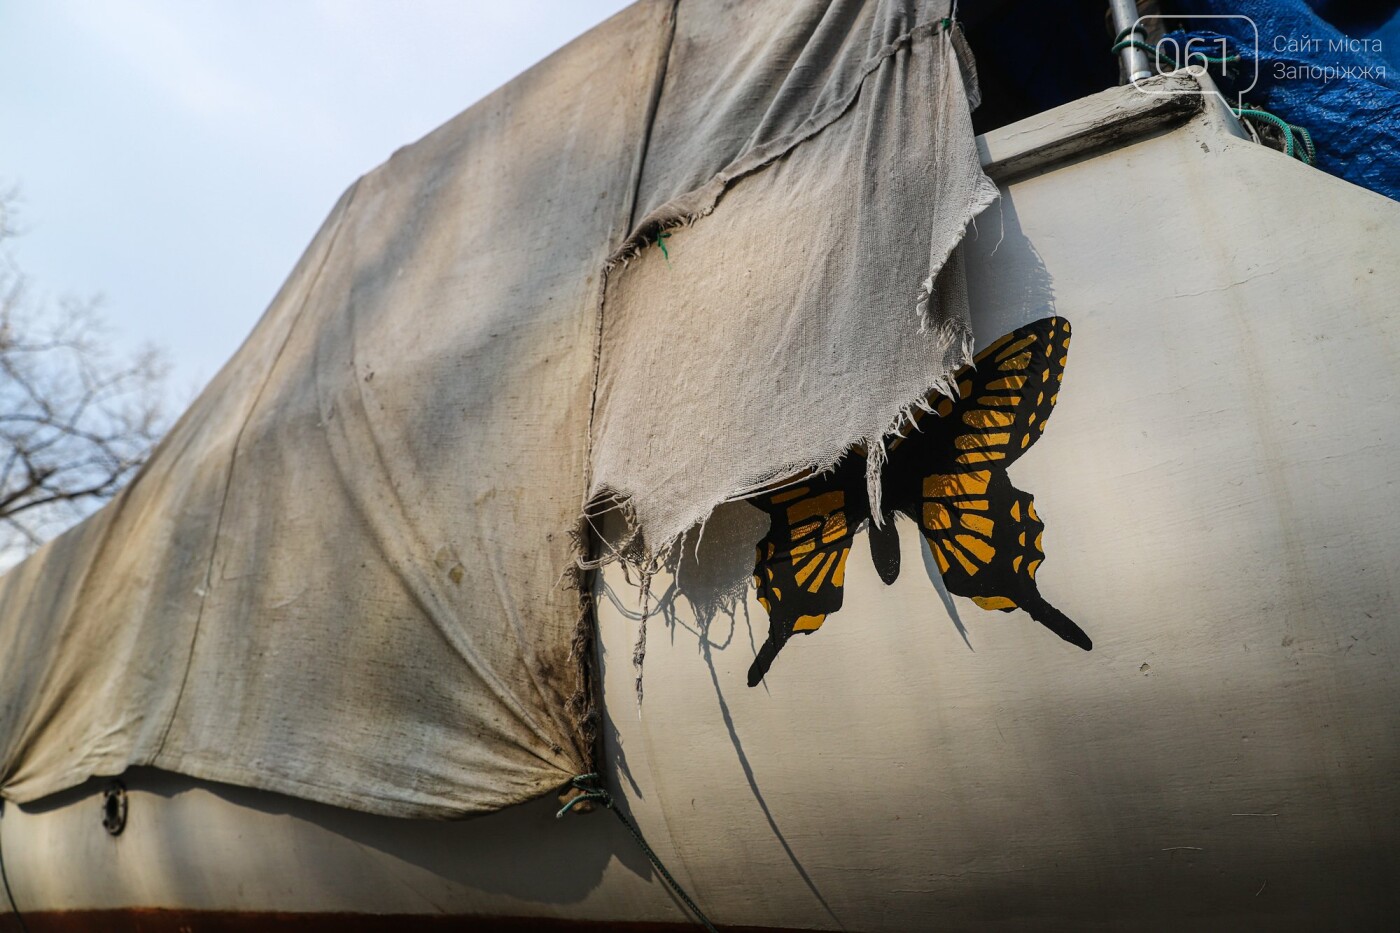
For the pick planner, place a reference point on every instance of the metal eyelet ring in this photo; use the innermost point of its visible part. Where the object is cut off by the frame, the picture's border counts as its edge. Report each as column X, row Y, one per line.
column 114, row 808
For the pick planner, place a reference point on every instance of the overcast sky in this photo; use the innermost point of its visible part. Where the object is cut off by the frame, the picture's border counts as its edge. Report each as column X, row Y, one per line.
column 177, row 155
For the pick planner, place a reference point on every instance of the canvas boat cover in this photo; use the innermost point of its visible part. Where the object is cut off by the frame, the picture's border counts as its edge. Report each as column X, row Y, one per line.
column 349, row 573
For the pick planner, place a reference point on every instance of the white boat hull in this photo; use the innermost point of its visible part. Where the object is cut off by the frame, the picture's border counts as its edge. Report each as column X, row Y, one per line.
column 1220, row 498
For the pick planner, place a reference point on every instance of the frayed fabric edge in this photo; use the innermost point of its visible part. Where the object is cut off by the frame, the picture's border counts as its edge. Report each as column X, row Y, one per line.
column 877, row 454
column 682, row 212
column 582, row 705
column 632, row 552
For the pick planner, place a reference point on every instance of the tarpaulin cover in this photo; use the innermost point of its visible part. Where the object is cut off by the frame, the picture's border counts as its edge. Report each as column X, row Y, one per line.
column 1339, row 79
column 345, row 574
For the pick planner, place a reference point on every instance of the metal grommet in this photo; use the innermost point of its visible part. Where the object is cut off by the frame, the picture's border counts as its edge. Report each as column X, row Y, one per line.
column 114, row 808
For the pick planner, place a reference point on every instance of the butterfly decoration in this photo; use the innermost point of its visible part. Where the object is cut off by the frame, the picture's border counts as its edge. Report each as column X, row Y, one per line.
column 948, row 474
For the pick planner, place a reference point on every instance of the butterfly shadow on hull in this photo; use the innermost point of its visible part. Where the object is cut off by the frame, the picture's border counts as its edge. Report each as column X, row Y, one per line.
column 936, row 578
column 1008, row 285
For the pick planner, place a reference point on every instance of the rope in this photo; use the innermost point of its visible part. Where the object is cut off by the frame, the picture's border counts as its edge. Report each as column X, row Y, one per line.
column 1297, row 141
column 661, row 239
column 1307, row 143
column 593, row 790
column 4, row 876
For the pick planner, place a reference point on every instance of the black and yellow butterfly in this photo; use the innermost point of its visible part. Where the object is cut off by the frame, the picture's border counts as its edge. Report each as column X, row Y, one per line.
column 949, row 475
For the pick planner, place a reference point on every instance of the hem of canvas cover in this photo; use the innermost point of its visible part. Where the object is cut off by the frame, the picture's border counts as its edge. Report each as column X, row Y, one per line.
column 403, row 807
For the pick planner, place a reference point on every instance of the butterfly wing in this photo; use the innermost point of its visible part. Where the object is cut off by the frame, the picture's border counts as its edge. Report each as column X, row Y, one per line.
column 986, row 539
column 800, row 568
column 984, row 532
column 1007, row 395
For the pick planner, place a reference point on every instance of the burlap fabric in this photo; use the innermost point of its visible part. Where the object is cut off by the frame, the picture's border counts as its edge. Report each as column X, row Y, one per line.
column 345, row 574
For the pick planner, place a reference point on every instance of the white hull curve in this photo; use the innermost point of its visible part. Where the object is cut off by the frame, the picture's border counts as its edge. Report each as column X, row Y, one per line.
column 1218, row 489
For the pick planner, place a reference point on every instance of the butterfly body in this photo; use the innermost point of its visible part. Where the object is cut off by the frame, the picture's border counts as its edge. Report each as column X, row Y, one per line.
column 947, row 472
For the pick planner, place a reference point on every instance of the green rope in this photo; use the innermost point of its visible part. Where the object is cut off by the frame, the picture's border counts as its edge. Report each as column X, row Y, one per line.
column 593, row 790
column 661, row 239
column 1307, row 143
column 1293, row 135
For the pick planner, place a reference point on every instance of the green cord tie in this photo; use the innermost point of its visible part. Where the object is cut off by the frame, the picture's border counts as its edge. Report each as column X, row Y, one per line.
column 661, row 239
column 1134, row 28
column 593, row 790
column 1293, row 134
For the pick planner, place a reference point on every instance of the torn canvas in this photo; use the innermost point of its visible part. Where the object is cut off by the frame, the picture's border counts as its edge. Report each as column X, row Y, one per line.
column 345, row 574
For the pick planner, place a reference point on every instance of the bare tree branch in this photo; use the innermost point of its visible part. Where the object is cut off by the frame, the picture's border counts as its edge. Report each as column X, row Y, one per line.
column 76, row 419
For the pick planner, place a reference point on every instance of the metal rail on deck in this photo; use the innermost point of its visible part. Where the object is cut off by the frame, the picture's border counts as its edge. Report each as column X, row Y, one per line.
column 1125, row 14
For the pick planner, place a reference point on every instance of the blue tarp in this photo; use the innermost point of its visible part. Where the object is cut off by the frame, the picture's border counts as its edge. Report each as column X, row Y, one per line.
column 1331, row 67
